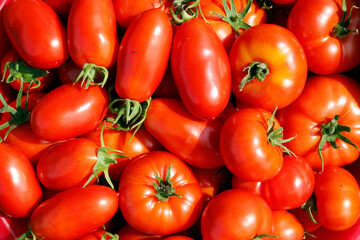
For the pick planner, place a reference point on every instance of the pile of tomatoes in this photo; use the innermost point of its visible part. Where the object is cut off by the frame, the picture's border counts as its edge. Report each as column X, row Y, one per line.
column 179, row 119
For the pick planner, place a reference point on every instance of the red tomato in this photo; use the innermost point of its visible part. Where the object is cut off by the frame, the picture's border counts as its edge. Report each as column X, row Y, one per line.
column 28, row 74
column 36, row 33
column 91, row 207
column 4, row 40
column 69, row 111
column 8, row 93
column 164, row 199
column 11, row 228
column 97, row 235
column 68, row 164
column 236, row 214
column 91, row 30
column 68, row 72
column 20, row 190
column 139, row 73
column 313, row 115
column 352, row 233
column 247, row 147
column 201, row 69
column 172, row 125
column 337, row 198
column 287, row 226
column 313, row 24
column 129, row 233
column 263, row 72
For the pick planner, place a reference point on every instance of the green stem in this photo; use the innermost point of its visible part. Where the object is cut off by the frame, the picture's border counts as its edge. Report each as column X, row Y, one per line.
column 310, row 207
column 265, row 236
column 257, row 70
column 184, row 10
column 89, row 74
column 341, row 30
column 109, row 236
column 164, row 188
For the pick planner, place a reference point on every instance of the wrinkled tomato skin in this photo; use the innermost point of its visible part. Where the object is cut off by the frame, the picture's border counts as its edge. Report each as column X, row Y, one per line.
column 227, row 216
column 21, row 191
column 179, row 127
column 201, row 69
column 313, row 22
column 91, row 207
column 142, row 209
column 92, row 34
column 337, row 198
column 138, row 72
column 68, row 164
column 36, row 33
column 323, row 98
column 69, row 111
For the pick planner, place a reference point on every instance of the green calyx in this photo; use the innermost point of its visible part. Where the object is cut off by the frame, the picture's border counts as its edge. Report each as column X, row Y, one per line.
column 184, row 10
column 310, row 207
column 104, row 161
column 341, row 30
column 257, row 70
column 265, row 4
column 90, row 73
column 329, row 133
column 28, row 235
column 265, row 236
column 235, row 19
column 109, row 236
column 275, row 136
column 19, row 70
column 164, row 188
column 18, row 116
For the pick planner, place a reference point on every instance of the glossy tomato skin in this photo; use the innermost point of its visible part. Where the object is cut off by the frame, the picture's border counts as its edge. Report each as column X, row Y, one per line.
column 8, row 93
column 201, row 69
column 69, row 111
column 245, row 148
column 313, row 22
column 91, row 207
column 4, row 40
column 322, row 99
column 227, row 215
column 143, row 210
column 139, row 73
column 352, row 233
column 21, row 191
column 12, row 228
column 36, row 32
column 337, row 198
column 279, row 49
column 179, row 127
column 68, row 164
column 92, row 36
column 287, row 226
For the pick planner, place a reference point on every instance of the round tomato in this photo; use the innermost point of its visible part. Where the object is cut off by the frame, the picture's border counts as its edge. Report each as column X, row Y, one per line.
column 20, row 191
column 36, row 33
column 201, row 69
column 267, row 61
column 236, row 214
column 159, row 194
column 287, row 226
column 69, row 111
column 324, row 118
column 321, row 27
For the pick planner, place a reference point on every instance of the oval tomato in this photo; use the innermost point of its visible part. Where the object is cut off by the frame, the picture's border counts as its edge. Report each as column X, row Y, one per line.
column 36, row 33
column 4, row 40
column 227, row 216
column 327, row 103
column 12, row 228
column 164, row 199
column 313, row 25
column 267, row 61
column 179, row 127
column 20, row 191
column 69, row 111
column 201, row 69
column 138, row 72
column 337, row 198
column 91, row 207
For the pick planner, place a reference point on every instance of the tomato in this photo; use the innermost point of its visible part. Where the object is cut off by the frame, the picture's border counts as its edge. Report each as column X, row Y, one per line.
column 201, row 69
column 69, row 111
column 249, row 144
column 337, row 198
column 313, row 23
column 138, row 72
column 97, row 235
column 159, row 194
column 68, row 72
column 131, row 145
column 327, row 103
column 91, row 30
column 91, row 207
column 20, row 190
column 4, row 40
column 352, row 233
column 12, row 228
column 36, row 33
column 263, row 72
column 301, row 213
column 179, row 127
column 41, row 83
column 227, row 216
column 129, row 233
column 7, row 92
column 287, row 226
